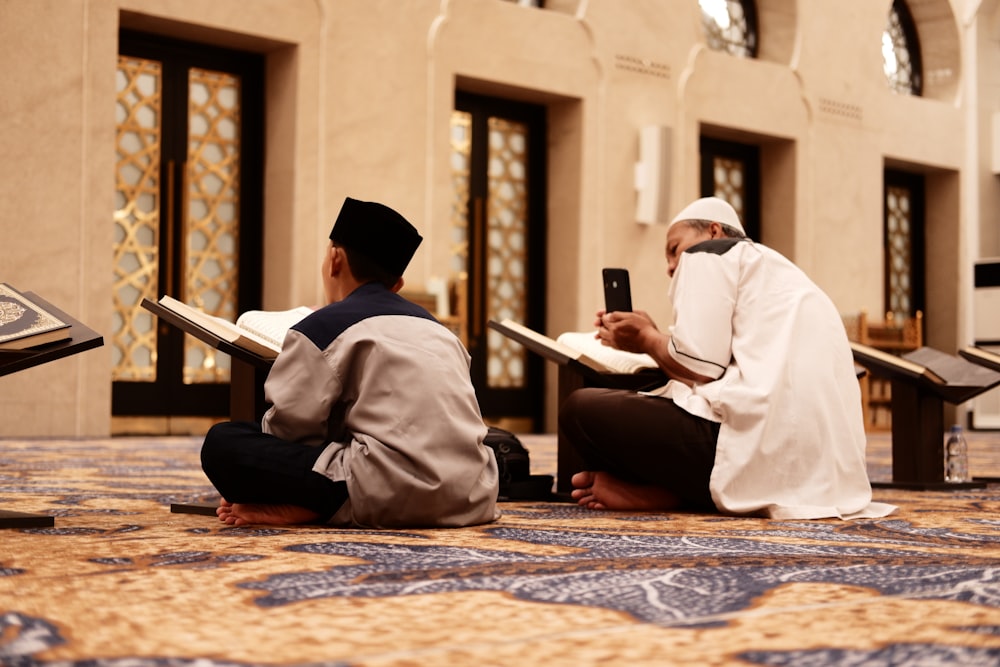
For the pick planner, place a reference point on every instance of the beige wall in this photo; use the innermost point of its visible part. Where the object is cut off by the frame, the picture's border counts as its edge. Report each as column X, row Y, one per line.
column 985, row 53
column 359, row 98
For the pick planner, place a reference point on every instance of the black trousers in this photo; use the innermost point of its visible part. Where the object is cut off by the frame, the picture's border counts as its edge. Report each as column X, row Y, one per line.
column 247, row 465
column 642, row 439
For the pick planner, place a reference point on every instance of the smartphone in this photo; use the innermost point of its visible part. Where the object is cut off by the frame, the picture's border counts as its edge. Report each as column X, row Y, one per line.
column 617, row 291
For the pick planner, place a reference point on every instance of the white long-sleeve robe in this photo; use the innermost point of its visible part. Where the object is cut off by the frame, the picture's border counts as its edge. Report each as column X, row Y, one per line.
column 791, row 441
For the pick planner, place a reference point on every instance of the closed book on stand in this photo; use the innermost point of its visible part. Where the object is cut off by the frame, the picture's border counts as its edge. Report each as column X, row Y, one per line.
column 25, row 324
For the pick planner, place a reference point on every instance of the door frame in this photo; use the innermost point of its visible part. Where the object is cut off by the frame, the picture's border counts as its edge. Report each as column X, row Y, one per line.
column 497, row 403
column 168, row 395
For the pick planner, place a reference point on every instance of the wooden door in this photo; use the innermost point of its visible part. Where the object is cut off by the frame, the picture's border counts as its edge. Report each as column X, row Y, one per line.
column 498, row 167
column 187, row 215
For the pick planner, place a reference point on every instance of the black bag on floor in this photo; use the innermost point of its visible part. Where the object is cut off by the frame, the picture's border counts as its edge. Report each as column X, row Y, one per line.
column 514, row 464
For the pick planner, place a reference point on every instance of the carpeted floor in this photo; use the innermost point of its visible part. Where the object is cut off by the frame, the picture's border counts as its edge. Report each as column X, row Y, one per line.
column 120, row 581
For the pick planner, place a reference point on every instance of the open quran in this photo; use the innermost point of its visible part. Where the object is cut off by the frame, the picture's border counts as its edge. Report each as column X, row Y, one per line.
column 579, row 346
column 259, row 331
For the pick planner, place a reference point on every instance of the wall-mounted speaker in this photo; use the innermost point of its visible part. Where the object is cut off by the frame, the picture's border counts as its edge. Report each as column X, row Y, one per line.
column 652, row 175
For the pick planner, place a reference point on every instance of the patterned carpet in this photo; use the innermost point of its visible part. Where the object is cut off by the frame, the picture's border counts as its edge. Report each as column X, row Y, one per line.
column 120, row 581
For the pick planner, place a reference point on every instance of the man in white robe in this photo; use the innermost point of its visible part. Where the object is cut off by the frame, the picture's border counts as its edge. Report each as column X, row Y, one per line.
column 762, row 414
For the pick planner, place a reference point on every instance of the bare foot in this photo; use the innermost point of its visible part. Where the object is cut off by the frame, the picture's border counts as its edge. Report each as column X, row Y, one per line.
column 241, row 514
column 602, row 491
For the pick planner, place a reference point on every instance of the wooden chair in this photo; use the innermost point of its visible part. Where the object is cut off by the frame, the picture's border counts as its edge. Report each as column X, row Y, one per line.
column 458, row 321
column 456, row 318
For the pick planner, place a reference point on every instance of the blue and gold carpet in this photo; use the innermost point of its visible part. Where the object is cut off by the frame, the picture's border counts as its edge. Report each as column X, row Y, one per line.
column 120, row 581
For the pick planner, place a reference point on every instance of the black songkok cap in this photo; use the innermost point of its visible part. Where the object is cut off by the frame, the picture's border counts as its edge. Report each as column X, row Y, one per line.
column 378, row 232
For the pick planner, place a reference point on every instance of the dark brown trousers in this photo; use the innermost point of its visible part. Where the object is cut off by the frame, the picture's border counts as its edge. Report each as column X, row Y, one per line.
column 642, row 439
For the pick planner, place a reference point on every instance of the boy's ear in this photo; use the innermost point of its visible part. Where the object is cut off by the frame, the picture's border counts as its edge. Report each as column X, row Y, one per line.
column 399, row 285
column 337, row 260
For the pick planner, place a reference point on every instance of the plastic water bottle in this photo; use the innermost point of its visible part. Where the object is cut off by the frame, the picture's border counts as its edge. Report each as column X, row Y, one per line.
column 956, row 456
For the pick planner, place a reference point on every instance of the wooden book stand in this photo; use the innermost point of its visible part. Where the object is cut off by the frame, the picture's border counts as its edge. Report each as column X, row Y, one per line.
column 81, row 338
column 575, row 372
column 922, row 381
column 247, row 372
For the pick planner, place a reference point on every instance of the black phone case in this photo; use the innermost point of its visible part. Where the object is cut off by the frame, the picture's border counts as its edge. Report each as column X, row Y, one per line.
column 617, row 290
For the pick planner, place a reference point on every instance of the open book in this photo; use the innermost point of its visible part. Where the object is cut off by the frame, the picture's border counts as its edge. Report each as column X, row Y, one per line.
column 579, row 346
column 259, row 331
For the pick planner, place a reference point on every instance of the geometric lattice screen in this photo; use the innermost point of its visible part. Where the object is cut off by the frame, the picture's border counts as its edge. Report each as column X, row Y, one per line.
column 729, row 176
column 138, row 115
column 211, row 215
column 461, row 172
column 901, row 52
column 501, row 237
column 899, row 242
column 207, row 255
column 506, row 247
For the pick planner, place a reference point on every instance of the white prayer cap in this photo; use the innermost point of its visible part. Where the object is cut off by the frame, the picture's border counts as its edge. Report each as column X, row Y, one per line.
column 712, row 209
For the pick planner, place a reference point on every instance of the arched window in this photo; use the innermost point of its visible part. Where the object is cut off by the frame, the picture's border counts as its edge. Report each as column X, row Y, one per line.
column 901, row 51
column 730, row 26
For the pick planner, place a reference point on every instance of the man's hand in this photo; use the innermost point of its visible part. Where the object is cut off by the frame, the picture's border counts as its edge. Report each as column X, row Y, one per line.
column 636, row 332
column 629, row 331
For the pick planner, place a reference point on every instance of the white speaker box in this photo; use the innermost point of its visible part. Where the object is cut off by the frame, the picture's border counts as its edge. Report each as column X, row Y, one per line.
column 652, row 175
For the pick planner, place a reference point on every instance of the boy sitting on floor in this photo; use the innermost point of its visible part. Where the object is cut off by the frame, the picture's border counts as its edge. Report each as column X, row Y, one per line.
column 373, row 420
